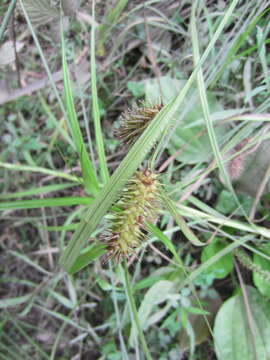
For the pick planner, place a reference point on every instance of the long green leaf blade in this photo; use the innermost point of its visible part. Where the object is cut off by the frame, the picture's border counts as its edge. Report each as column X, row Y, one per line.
column 89, row 176
column 6, row 18
column 87, row 257
column 96, row 113
column 37, row 191
column 49, row 202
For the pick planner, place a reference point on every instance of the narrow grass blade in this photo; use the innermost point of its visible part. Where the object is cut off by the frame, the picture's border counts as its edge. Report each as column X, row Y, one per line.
column 41, row 354
column 30, row 262
column 181, row 222
column 6, row 18
column 57, row 124
column 206, row 110
column 52, row 82
column 95, row 107
column 166, row 241
column 227, row 250
column 238, row 42
column 87, row 257
column 49, row 202
column 59, row 228
column 54, row 173
column 63, row 318
column 134, row 313
column 135, row 156
column 203, row 96
column 10, row 302
column 196, row 214
column 37, row 191
column 89, row 175
column 110, row 20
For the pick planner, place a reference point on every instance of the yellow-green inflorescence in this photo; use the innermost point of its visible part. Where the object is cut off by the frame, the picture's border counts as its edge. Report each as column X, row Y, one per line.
column 134, row 121
column 139, row 203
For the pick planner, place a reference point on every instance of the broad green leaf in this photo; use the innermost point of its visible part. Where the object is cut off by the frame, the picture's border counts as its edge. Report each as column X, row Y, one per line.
column 170, row 87
column 262, row 284
column 156, row 295
column 223, row 266
column 147, row 282
column 137, row 88
column 232, row 333
column 226, row 204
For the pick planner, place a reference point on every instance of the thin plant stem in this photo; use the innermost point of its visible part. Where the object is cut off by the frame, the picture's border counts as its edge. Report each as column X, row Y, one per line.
column 118, row 320
column 95, row 108
column 134, row 312
column 7, row 17
column 249, row 311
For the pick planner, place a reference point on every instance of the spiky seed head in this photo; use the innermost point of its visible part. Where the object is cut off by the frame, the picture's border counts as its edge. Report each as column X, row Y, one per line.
column 139, row 203
column 134, row 121
column 236, row 165
column 246, row 261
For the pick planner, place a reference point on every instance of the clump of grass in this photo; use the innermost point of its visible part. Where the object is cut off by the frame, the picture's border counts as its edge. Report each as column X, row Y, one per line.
column 138, row 204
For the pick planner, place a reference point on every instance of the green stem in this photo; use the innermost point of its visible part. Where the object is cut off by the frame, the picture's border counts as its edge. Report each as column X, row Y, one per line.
column 95, row 108
column 134, row 312
column 118, row 320
column 6, row 18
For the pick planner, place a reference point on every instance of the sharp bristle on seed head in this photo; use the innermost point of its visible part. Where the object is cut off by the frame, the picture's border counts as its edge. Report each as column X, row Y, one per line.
column 139, row 204
column 134, row 121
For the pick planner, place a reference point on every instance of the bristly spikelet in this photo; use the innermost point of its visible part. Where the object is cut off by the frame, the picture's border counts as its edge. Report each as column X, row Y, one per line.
column 139, row 203
column 235, row 166
column 134, row 121
column 246, row 261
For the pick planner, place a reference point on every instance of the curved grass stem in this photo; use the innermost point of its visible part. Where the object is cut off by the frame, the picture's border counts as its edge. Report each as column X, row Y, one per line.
column 134, row 312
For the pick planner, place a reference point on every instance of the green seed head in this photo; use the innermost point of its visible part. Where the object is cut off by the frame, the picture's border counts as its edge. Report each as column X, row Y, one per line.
column 139, row 203
column 134, row 121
